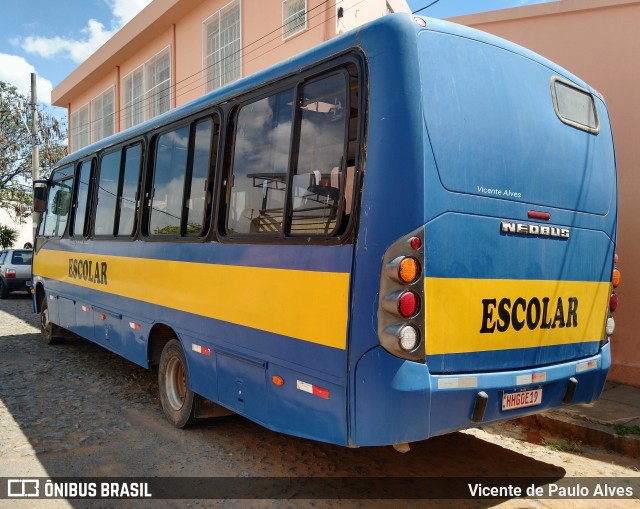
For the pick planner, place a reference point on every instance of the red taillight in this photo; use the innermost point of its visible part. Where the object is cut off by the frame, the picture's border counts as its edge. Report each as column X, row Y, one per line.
column 415, row 242
column 537, row 214
column 613, row 302
column 9, row 273
column 408, row 304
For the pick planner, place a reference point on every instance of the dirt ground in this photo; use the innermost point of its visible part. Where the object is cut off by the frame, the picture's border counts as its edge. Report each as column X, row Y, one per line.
column 76, row 410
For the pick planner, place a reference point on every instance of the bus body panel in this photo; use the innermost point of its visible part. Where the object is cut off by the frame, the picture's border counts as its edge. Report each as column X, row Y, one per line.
column 498, row 135
column 229, row 363
column 512, row 301
column 425, row 405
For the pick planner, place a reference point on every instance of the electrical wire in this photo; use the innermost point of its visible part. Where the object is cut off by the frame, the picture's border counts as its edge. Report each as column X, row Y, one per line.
column 425, row 7
column 192, row 82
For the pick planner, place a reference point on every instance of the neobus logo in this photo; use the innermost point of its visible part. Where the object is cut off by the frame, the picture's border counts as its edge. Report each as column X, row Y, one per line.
column 534, row 229
column 87, row 270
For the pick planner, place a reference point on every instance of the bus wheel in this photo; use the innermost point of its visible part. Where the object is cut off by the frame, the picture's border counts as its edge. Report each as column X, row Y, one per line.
column 173, row 381
column 50, row 331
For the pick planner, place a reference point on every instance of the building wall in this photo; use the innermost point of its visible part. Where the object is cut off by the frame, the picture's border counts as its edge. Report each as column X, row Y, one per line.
column 179, row 25
column 599, row 41
column 25, row 229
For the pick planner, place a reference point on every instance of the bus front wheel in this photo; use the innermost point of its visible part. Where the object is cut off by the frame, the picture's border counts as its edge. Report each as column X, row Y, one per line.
column 173, row 381
column 50, row 331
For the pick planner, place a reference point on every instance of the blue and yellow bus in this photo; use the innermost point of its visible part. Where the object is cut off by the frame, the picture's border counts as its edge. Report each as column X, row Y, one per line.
column 405, row 231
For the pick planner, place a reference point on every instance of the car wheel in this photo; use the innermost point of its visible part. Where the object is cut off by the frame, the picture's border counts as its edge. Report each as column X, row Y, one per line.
column 4, row 291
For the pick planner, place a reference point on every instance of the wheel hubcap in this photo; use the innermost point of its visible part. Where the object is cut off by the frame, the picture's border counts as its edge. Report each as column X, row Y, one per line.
column 44, row 320
column 176, row 383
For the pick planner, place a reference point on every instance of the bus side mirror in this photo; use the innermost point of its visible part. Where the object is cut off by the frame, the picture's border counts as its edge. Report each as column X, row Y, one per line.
column 39, row 196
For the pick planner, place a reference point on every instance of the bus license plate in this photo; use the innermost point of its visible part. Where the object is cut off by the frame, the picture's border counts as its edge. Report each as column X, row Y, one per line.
column 521, row 399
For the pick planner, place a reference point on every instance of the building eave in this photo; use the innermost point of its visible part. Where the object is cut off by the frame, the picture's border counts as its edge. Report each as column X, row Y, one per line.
column 538, row 10
column 154, row 18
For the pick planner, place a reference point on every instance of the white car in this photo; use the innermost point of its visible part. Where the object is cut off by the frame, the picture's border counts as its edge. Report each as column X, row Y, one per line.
column 15, row 271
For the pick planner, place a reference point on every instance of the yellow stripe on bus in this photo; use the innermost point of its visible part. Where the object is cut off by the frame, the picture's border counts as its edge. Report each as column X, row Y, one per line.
column 476, row 315
column 312, row 306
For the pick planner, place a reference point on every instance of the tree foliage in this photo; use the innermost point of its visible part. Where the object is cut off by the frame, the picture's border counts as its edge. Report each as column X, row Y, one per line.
column 8, row 236
column 15, row 149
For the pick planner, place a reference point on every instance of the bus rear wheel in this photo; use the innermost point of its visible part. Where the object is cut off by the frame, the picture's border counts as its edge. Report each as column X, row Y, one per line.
column 173, row 381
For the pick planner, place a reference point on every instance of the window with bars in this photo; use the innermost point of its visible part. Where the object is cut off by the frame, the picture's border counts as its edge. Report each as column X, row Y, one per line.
column 158, row 83
column 146, row 91
column 222, row 47
column 133, row 98
column 80, row 128
column 103, row 110
column 294, row 17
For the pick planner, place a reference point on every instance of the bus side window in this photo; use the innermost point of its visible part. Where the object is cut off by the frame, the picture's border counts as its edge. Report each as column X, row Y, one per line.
column 83, row 197
column 168, row 182
column 54, row 219
column 318, row 175
column 200, row 184
column 260, row 165
column 107, row 193
column 128, row 191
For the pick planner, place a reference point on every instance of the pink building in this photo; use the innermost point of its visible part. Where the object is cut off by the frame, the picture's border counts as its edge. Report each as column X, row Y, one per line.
column 599, row 41
column 177, row 50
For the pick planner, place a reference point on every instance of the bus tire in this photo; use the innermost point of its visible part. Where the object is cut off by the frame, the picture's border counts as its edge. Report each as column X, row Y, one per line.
column 50, row 331
column 173, row 382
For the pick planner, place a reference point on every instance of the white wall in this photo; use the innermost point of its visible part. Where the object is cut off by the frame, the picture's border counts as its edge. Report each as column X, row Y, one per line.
column 25, row 230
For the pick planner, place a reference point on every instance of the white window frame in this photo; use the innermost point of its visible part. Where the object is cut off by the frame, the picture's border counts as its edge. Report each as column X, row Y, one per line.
column 144, row 106
column 291, row 18
column 153, row 91
column 80, row 132
column 132, row 106
column 103, row 123
column 214, row 73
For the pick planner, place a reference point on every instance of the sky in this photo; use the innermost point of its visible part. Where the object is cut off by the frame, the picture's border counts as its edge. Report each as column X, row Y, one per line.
column 52, row 38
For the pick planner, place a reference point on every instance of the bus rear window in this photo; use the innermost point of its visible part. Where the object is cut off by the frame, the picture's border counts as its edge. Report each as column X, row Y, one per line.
column 575, row 106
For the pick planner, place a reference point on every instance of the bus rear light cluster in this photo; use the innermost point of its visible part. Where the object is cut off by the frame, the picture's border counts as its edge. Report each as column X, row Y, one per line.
column 401, row 305
column 613, row 298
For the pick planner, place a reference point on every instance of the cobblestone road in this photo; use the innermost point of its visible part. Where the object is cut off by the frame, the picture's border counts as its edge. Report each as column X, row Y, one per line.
column 75, row 409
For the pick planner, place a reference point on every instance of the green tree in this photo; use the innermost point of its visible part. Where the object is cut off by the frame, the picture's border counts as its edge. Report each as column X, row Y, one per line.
column 15, row 149
column 8, row 236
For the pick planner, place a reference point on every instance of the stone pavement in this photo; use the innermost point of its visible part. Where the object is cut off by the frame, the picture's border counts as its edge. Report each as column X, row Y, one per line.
column 612, row 422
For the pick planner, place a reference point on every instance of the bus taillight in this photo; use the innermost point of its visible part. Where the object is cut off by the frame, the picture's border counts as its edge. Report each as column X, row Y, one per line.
column 408, row 304
column 613, row 298
column 401, row 305
column 615, row 278
column 404, row 269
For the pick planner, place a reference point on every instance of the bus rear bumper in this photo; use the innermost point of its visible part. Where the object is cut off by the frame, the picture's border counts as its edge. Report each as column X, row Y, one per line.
column 398, row 401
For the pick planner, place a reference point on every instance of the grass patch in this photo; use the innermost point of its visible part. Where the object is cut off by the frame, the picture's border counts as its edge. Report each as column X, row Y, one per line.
column 623, row 430
column 571, row 447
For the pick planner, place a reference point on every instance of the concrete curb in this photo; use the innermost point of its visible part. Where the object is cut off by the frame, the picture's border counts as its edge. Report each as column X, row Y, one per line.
column 584, row 432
